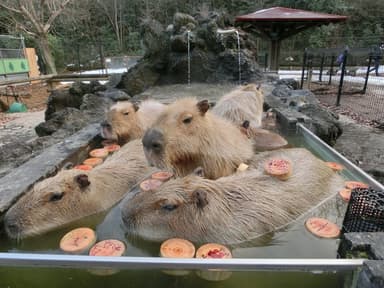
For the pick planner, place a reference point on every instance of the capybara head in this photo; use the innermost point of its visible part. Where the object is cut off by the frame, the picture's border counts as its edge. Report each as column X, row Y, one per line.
column 186, row 135
column 241, row 104
column 50, row 203
column 122, row 123
column 234, row 208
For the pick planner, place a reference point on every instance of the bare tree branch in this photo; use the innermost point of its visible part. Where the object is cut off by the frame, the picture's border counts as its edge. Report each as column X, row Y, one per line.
column 38, row 26
column 11, row 8
column 53, row 16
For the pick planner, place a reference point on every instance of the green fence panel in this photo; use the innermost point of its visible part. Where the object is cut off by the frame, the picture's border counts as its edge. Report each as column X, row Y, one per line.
column 13, row 66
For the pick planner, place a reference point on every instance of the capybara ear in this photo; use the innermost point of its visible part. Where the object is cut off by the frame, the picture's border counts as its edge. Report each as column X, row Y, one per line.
column 135, row 106
column 199, row 171
column 258, row 86
column 200, row 198
column 82, row 180
column 203, row 106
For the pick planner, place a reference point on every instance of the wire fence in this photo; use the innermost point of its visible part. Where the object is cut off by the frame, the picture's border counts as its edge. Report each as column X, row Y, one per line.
column 350, row 78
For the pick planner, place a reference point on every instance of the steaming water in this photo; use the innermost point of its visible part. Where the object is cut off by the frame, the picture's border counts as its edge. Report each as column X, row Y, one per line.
column 294, row 241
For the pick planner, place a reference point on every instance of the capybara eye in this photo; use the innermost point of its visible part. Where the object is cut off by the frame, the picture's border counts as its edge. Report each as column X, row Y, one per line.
column 56, row 196
column 187, row 120
column 126, row 113
column 169, row 207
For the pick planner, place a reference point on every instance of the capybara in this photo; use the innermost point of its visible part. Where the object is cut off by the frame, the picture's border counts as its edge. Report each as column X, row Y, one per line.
column 73, row 194
column 186, row 135
column 231, row 209
column 243, row 103
column 126, row 121
column 263, row 140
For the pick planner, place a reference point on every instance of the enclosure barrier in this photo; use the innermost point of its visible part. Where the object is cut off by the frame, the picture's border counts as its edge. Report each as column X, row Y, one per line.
column 353, row 74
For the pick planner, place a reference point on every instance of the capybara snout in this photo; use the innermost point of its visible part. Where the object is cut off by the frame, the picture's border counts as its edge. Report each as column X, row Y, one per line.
column 153, row 140
column 106, row 130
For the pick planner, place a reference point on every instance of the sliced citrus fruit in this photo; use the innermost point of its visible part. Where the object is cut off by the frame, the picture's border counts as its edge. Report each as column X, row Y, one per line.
column 162, row 175
column 112, row 147
column 322, row 227
column 150, row 184
column 213, row 250
column 177, row 248
column 355, row 184
column 345, row 194
column 110, row 247
column 334, row 166
column 99, row 153
column 93, row 161
column 78, row 240
column 217, row 251
column 83, row 167
column 279, row 168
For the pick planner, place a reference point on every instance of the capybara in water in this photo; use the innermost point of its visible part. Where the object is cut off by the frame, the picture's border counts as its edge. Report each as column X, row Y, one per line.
column 126, row 121
column 73, row 194
column 263, row 140
column 186, row 135
column 241, row 104
column 235, row 208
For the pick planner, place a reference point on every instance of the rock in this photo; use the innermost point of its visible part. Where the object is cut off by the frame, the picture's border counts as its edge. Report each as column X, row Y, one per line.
column 319, row 120
column 364, row 146
column 372, row 275
column 61, row 99
column 114, row 94
column 66, row 117
column 362, row 245
column 324, row 123
column 213, row 57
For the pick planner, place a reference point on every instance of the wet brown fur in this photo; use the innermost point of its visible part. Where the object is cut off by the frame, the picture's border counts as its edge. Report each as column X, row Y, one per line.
column 235, row 208
column 208, row 141
column 243, row 103
column 36, row 213
column 129, row 121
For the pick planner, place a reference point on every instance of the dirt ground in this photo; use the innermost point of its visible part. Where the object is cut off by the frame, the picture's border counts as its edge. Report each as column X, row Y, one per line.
column 34, row 96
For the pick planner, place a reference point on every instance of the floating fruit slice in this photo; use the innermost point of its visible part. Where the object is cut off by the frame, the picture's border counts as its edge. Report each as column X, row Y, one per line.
column 280, row 168
column 150, row 184
column 334, row 166
column 345, row 194
column 177, row 248
column 162, row 175
column 112, row 148
column 216, row 251
column 213, row 250
column 108, row 142
column 93, row 161
column 242, row 167
column 99, row 153
column 83, row 167
column 355, row 184
column 78, row 240
column 108, row 247
column 322, row 227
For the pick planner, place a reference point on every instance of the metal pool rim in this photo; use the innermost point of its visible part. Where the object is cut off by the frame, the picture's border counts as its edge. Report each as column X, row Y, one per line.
column 340, row 158
column 238, row 264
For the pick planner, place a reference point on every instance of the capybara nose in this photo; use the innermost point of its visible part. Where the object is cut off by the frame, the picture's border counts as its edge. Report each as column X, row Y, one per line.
column 11, row 227
column 105, row 124
column 153, row 140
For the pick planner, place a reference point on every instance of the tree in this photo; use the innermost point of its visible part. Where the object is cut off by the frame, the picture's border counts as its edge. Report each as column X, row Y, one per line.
column 35, row 18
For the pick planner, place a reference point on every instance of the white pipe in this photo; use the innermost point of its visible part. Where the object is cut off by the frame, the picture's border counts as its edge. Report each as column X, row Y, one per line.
column 222, row 31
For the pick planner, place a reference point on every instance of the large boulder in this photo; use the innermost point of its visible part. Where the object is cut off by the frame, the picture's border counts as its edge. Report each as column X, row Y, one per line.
column 297, row 105
column 213, row 58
